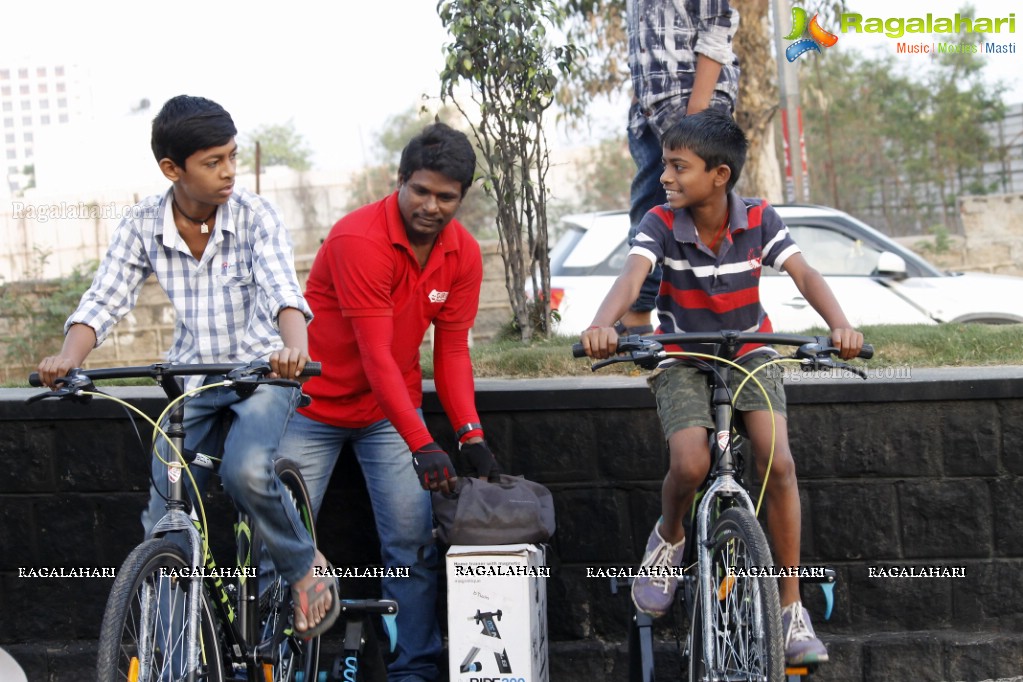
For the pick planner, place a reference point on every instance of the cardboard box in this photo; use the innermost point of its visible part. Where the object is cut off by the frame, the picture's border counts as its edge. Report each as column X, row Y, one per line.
column 497, row 613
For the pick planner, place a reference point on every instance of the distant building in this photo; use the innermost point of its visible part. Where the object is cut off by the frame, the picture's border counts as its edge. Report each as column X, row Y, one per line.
column 33, row 98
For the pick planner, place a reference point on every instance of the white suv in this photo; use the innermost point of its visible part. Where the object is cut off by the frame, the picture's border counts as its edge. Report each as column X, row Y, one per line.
column 876, row 280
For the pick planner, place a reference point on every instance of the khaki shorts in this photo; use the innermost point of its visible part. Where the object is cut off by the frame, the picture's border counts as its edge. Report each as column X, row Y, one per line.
column 683, row 394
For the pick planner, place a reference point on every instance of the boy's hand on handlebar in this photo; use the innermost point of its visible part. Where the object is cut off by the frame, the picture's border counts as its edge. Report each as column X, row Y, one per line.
column 53, row 367
column 434, row 469
column 848, row 341
column 287, row 363
column 600, row 342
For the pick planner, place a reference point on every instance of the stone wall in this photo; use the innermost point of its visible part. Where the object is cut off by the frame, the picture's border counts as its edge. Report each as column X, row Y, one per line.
column 992, row 239
column 993, row 230
column 920, row 471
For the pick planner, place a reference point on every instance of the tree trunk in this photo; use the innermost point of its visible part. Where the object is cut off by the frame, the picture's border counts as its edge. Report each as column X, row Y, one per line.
column 758, row 100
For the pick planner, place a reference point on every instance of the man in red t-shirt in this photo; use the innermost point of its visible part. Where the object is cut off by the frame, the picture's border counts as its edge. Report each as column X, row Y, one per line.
column 383, row 275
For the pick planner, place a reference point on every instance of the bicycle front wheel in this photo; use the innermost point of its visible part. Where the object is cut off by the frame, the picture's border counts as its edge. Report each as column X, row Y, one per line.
column 745, row 628
column 145, row 632
column 291, row 657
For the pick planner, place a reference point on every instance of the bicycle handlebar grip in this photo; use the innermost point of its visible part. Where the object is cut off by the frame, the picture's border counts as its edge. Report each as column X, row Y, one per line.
column 866, row 352
column 312, row 369
column 34, row 380
column 577, row 350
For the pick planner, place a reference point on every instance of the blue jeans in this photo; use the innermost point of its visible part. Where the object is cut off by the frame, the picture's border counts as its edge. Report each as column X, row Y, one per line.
column 247, row 469
column 404, row 520
column 647, row 192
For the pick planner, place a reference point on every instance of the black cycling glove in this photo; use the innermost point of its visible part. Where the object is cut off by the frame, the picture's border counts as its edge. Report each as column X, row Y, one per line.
column 432, row 465
column 482, row 461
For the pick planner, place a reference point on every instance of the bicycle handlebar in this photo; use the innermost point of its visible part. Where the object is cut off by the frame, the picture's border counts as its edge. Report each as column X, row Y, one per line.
column 242, row 377
column 647, row 351
column 725, row 337
column 160, row 370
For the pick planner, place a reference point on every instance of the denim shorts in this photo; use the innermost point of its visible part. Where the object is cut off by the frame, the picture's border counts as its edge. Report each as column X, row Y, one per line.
column 683, row 394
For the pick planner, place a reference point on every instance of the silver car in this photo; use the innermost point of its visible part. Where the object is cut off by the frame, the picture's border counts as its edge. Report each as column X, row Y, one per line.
column 876, row 280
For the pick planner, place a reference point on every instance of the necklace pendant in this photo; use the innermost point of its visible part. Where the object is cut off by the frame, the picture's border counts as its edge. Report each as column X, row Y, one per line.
column 204, row 228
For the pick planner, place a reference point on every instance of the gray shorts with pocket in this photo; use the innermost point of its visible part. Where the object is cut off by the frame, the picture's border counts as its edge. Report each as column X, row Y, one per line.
column 683, row 394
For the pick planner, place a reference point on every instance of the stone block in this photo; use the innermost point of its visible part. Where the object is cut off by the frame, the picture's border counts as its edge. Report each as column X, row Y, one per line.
column 1012, row 436
column 580, row 660
column 854, row 521
column 45, row 607
column 17, row 534
column 91, row 461
column 990, row 596
column 65, row 535
column 118, row 526
column 1007, row 497
column 30, row 447
column 68, row 660
column 569, row 453
column 945, row 518
column 581, row 606
column 972, row 438
column 910, row 657
column 983, row 656
column 636, row 453
column 593, row 525
column 887, row 603
column 864, row 443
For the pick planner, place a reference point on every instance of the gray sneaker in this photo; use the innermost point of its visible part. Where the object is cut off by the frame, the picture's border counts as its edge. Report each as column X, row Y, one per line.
column 801, row 644
column 653, row 594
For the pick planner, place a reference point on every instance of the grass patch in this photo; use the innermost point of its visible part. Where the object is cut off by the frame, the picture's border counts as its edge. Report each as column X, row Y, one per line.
column 943, row 345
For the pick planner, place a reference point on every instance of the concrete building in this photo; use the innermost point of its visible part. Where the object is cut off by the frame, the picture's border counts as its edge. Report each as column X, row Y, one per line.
column 33, row 98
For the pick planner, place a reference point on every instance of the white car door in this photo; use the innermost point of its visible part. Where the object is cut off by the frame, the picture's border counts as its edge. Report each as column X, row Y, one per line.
column 846, row 264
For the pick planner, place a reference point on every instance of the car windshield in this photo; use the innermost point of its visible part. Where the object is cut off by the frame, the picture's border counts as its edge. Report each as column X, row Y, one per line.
column 835, row 253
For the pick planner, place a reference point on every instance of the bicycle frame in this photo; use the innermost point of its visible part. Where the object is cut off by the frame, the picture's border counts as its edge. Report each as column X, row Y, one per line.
column 723, row 485
column 241, row 623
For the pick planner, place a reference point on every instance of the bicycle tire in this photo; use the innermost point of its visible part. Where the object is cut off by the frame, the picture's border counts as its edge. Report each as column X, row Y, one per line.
column 294, row 658
column 125, row 636
column 747, row 613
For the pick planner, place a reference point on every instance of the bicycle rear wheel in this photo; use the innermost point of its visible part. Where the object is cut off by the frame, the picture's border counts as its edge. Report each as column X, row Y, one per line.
column 144, row 635
column 746, row 625
column 293, row 658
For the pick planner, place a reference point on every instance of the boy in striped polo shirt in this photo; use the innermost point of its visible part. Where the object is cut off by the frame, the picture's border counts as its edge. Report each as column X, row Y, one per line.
column 711, row 244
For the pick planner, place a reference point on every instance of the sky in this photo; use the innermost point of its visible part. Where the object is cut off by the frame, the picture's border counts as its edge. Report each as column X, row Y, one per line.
column 337, row 70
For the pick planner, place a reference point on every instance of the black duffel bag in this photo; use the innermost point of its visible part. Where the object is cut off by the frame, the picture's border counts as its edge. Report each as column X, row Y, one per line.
column 510, row 511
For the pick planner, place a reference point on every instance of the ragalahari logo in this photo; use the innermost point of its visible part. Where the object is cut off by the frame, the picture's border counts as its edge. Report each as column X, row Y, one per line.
column 818, row 36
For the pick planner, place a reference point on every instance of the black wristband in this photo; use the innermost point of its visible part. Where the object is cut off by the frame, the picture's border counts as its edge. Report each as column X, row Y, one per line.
column 471, row 426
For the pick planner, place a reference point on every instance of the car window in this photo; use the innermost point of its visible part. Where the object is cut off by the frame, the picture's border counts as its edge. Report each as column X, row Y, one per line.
column 564, row 246
column 833, row 253
column 600, row 249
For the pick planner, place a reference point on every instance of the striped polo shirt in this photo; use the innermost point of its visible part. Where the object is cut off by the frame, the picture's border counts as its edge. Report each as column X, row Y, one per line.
column 701, row 291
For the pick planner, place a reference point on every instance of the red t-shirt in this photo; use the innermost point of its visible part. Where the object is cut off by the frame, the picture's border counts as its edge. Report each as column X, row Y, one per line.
column 372, row 305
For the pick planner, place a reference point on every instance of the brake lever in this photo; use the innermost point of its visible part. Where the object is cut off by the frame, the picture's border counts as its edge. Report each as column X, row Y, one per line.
column 71, row 388
column 604, row 363
column 855, row 370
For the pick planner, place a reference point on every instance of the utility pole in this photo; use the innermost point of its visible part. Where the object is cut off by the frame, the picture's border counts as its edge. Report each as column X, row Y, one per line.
column 797, row 183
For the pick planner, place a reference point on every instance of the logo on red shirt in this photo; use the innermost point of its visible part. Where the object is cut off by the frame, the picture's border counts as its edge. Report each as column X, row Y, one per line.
column 438, row 296
column 754, row 257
